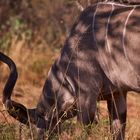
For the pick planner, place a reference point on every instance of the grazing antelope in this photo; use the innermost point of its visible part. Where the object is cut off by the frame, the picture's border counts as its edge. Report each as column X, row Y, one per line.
column 100, row 60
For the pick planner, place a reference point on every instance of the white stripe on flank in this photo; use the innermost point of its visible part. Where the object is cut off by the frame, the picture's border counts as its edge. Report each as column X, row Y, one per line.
column 106, row 35
column 124, row 31
column 93, row 24
column 118, row 4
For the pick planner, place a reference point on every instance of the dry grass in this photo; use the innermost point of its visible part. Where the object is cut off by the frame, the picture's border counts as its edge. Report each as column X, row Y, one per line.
column 71, row 130
column 33, row 65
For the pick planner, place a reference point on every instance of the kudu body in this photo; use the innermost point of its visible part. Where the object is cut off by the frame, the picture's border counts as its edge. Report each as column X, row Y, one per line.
column 99, row 60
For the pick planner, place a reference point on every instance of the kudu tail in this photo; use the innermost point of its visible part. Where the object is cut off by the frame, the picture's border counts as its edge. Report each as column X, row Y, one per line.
column 16, row 110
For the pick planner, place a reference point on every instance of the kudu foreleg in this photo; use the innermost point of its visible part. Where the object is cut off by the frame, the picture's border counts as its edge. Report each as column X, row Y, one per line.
column 86, row 107
column 117, row 113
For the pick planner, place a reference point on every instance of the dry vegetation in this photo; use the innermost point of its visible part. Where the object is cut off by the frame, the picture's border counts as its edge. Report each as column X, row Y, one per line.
column 32, row 35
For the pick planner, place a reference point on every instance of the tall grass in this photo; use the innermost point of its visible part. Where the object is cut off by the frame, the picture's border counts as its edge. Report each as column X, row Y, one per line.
column 72, row 130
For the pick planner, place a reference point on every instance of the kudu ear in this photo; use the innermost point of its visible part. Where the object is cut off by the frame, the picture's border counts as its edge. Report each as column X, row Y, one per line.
column 20, row 112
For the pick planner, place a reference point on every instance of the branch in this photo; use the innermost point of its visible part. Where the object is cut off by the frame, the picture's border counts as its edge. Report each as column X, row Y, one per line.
column 79, row 6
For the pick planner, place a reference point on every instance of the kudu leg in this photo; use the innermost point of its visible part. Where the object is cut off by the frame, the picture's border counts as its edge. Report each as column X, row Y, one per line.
column 41, row 125
column 86, row 110
column 117, row 113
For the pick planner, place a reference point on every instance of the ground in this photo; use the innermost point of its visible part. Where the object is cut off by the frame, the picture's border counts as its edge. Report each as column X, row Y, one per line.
column 71, row 130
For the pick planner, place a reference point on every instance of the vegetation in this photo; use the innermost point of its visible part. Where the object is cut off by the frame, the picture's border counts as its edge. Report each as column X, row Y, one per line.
column 32, row 32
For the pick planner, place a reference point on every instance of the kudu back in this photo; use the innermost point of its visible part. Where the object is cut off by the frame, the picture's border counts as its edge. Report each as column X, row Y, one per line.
column 99, row 60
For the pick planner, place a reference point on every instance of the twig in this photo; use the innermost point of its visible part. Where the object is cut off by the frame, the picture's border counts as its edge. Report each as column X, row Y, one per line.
column 79, row 6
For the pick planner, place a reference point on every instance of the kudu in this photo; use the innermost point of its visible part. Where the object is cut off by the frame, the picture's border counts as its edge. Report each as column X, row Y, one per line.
column 99, row 60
